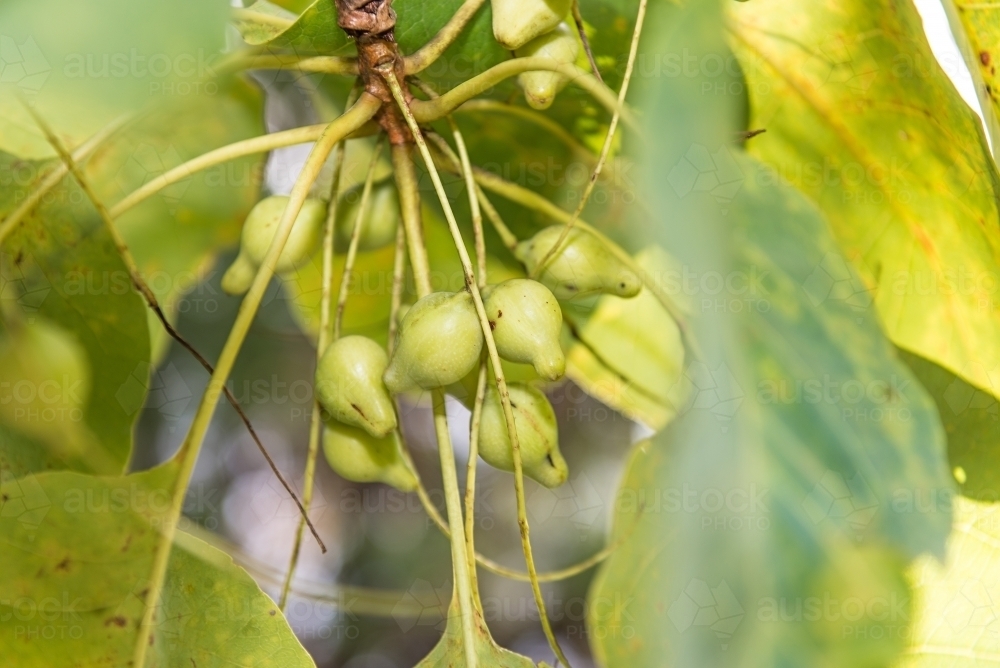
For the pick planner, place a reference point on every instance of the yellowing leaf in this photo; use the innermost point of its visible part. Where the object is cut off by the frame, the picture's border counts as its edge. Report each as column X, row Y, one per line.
column 955, row 622
column 78, row 556
column 976, row 26
column 861, row 119
column 628, row 353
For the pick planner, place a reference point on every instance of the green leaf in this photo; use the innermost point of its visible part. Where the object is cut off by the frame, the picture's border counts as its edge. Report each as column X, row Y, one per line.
column 61, row 264
column 628, row 352
column 475, row 51
column 826, row 429
column 450, row 650
column 780, row 487
column 262, row 21
column 97, row 60
column 175, row 236
column 955, row 622
column 315, row 31
column 971, row 420
column 78, row 554
column 977, row 32
column 861, row 119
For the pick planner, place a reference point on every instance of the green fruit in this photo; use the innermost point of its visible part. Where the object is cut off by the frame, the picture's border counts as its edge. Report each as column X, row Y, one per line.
column 258, row 232
column 517, row 22
column 537, row 435
column 381, row 217
column 582, row 266
column 44, row 385
column 526, row 321
column 439, row 341
column 358, row 456
column 540, row 87
column 349, row 385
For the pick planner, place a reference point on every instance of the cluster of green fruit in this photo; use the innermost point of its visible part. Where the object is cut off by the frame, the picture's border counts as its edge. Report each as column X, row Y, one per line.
column 381, row 217
column 440, row 342
column 536, row 28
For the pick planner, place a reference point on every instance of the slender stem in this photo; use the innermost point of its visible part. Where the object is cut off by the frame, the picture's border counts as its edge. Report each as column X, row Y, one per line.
column 470, row 475
column 535, row 117
column 477, row 216
column 398, row 279
column 510, row 573
column 51, row 179
column 477, row 406
column 578, row 20
column 315, row 420
column 470, row 283
column 508, row 238
column 292, row 61
column 239, row 149
column 608, row 140
column 352, row 249
column 432, row 50
column 187, row 455
column 249, row 15
column 431, row 110
column 409, row 197
column 150, row 298
column 409, row 205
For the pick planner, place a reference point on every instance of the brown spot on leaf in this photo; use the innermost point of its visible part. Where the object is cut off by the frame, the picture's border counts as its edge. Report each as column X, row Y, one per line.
column 499, row 313
column 358, row 409
column 63, row 565
column 271, row 612
column 4, row 497
column 493, row 325
column 984, row 57
column 117, row 620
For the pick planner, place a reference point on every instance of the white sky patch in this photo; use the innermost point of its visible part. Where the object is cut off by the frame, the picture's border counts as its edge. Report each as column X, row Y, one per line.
column 946, row 50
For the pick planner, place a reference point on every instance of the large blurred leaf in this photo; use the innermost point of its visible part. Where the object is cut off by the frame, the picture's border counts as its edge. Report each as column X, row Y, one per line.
column 78, row 554
column 176, row 234
column 955, row 622
column 860, row 117
column 61, row 264
column 971, row 420
column 829, row 430
column 628, row 352
column 83, row 63
column 976, row 26
column 773, row 501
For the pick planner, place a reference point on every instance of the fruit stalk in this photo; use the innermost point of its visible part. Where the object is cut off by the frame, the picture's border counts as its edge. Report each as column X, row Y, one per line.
column 470, row 283
column 409, row 200
column 352, row 249
column 187, row 455
column 608, row 139
column 315, row 419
